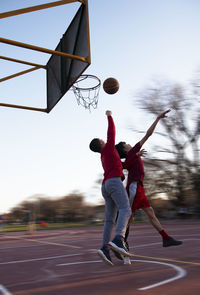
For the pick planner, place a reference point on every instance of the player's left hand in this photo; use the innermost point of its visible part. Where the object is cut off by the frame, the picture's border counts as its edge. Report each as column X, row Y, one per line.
column 141, row 153
column 163, row 115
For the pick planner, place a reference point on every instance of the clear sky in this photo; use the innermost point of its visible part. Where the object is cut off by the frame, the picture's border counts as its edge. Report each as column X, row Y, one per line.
column 132, row 40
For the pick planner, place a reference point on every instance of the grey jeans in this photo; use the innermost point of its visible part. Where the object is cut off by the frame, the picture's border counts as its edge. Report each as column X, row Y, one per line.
column 132, row 192
column 116, row 200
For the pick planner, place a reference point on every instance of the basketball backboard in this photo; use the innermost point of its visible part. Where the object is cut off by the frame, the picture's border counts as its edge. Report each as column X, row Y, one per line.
column 67, row 62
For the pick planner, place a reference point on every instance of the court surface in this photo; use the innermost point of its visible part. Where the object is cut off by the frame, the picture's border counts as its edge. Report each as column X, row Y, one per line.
column 65, row 262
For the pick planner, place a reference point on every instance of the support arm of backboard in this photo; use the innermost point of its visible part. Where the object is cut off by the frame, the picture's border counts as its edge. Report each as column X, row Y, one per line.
column 37, row 7
column 19, row 74
column 36, row 67
column 23, row 107
column 41, row 49
column 23, row 62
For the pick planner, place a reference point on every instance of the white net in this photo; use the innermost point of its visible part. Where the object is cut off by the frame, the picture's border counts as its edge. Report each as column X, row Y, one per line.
column 86, row 90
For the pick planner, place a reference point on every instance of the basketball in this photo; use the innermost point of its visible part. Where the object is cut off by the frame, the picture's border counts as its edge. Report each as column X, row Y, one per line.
column 111, row 85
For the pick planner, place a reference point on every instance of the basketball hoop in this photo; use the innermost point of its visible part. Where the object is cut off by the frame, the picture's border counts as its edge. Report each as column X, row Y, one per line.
column 86, row 89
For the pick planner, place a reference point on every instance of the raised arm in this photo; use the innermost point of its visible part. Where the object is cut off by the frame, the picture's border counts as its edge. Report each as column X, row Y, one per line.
column 111, row 130
column 152, row 127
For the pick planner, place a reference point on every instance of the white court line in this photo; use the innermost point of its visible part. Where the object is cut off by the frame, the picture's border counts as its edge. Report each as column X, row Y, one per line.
column 70, row 255
column 79, row 262
column 4, row 290
column 19, row 247
column 181, row 271
column 38, row 259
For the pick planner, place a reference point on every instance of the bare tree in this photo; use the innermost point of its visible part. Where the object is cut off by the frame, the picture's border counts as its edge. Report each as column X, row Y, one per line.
column 178, row 170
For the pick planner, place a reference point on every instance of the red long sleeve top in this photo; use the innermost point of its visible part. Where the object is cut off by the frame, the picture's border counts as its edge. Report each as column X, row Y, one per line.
column 134, row 165
column 109, row 156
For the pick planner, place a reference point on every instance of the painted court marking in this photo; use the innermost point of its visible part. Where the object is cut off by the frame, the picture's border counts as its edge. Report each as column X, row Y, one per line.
column 37, row 259
column 168, row 259
column 180, row 271
column 180, row 274
column 45, row 242
column 4, row 291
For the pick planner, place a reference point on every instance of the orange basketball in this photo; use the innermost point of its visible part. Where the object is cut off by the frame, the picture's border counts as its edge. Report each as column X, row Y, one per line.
column 111, row 85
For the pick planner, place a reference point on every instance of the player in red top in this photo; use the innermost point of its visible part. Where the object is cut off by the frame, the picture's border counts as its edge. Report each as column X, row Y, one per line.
column 135, row 189
column 114, row 193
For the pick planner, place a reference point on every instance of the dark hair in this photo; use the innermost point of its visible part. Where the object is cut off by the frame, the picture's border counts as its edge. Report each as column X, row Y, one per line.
column 120, row 148
column 95, row 145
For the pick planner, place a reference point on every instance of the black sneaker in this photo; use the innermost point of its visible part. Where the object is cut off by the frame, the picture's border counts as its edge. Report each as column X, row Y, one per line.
column 127, row 245
column 105, row 255
column 118, row 255
column 118, row 245
column 171, row 242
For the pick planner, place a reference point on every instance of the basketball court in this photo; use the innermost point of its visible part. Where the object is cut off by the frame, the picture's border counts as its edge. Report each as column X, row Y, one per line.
column 66, row 262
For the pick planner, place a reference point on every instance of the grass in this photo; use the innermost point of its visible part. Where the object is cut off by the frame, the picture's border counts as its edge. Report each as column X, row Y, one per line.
column 50, row 226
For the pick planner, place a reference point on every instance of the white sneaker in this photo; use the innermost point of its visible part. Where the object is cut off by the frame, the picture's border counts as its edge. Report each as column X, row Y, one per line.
column 127, row 260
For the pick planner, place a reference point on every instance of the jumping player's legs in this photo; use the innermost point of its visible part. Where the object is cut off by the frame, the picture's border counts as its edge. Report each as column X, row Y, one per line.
column 110, row 216
column 121, row 200
column 115, row 190
column 167, row 240
column 152, row 218
column 141, row 202
column 132, row 193
column 116, row 198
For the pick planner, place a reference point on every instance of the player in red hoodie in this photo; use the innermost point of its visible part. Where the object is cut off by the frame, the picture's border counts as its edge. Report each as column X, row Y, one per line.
column 114, row 193
column 135, row 189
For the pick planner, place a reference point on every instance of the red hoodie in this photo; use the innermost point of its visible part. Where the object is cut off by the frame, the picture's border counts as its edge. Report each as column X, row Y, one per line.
column 134, row 165
column 109, row 156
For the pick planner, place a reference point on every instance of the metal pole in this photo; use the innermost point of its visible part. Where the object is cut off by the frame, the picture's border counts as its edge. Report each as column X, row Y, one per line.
column 36, row 48
column 23, row 107
column 19, row 74
column 22, row 62
column 88, row 32
column 35, row 8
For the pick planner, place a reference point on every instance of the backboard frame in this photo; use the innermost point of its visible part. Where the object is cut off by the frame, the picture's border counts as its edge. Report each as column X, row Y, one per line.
column 35, row 66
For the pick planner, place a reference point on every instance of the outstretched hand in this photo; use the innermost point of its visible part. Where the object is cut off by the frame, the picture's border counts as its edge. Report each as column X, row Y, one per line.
column 163, row 115
column 141, row 153
column 108, row 113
